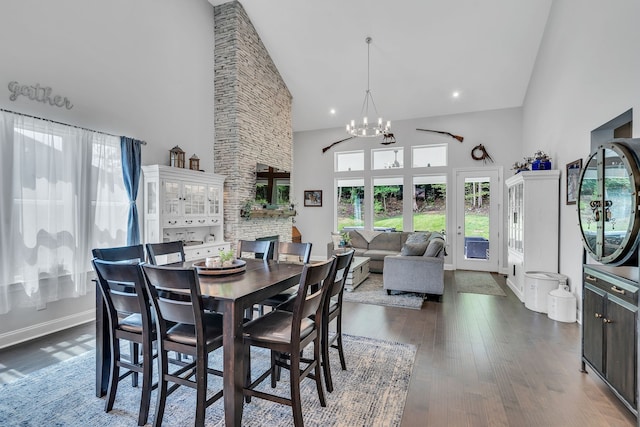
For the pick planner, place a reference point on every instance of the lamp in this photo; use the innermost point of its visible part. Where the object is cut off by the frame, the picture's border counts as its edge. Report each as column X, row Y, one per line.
column 364, row 128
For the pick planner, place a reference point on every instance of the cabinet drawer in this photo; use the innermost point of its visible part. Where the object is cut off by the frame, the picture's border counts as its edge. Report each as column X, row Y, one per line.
column 172, row 222
column 621, row 288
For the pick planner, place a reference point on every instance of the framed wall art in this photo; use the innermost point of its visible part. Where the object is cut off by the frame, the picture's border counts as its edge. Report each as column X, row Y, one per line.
column 573, row 181
column 313, row 198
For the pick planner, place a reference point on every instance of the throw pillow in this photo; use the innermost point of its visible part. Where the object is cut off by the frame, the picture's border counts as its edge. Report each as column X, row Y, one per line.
column 434, row 248
column 417, row 238
column 413, row 249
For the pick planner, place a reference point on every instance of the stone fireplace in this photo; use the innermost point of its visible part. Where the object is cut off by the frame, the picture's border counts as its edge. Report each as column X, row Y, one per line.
column 252, row 121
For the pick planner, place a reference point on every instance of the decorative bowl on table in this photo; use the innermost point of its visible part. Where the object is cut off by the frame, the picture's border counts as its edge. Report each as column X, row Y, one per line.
column 238, row 266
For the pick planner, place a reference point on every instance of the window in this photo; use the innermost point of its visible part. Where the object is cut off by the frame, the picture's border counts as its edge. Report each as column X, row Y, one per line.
column 63, row 194
column 387, row 203
column 282, row 190
column 349, row 161
column 350, row 203
column 426, row 156
column 387, row 158
column 429, row 203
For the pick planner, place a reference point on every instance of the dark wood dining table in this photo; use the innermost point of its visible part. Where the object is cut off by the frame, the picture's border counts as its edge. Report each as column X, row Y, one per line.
column 229, row 295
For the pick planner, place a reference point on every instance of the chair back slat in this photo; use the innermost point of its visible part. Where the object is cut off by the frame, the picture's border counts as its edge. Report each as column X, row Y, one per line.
column 122, row 253
column 311, row 291
column 175, row 293
column 122, row 287
column 254, row 247
column 166, row 253
column 301, row 250
column 176, row 311
column 343, row 262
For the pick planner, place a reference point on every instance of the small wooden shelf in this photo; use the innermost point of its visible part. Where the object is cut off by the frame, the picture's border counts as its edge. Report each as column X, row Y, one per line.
column 268, row 213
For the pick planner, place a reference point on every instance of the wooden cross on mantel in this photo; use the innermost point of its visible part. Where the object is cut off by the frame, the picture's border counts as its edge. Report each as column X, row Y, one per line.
column 270, row 175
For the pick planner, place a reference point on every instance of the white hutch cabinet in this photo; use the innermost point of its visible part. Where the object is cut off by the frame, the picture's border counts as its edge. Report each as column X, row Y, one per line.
column 183, row 204
column 532, row 225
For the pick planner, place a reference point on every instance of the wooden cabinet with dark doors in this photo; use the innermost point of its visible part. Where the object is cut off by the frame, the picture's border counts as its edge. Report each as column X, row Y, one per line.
column 609, row 336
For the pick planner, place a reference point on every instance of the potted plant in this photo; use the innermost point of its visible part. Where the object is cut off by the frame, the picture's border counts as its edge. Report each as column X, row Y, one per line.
column 227, row 257
column 345, row 239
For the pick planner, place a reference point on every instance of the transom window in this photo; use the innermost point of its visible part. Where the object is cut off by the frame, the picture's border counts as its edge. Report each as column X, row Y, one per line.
column 349, row 161
column 387, row 158
column 427, row 156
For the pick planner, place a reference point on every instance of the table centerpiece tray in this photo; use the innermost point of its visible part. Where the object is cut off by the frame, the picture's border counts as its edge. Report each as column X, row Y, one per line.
column 238, row 266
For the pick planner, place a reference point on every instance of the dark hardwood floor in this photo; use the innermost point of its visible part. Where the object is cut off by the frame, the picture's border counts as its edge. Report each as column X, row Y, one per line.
column 481, row 361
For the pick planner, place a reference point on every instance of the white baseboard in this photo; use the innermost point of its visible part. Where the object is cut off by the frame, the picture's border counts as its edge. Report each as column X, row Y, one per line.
column 41, row 329
column 515, row 290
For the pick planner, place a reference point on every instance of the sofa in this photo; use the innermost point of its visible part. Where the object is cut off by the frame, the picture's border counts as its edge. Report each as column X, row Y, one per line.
column 417, row 269
column 410, row 262
column 374, row 245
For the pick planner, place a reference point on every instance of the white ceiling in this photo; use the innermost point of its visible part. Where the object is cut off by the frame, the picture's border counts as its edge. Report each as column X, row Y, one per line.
column 422, row 51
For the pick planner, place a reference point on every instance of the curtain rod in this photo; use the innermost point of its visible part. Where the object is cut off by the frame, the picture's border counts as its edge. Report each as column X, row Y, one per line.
column 64, row 124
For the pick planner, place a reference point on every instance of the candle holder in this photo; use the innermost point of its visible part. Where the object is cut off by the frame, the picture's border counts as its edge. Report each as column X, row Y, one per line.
column 176, row 157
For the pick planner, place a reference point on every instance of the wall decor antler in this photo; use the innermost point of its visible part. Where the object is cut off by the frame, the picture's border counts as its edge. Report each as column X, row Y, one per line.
column 458, row 137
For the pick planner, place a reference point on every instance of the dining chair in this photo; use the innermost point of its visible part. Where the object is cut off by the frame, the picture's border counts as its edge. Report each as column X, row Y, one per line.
column 287, row 333
column 121, row 253
column 259, row 248
column 290, row 252
column 134, row 253
column 332, row 311
column 166, row 253
column 127, row 305
column 183, row 326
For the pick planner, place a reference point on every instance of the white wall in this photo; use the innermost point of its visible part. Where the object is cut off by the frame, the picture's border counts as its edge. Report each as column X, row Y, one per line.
column 140, row 68
column 587, row 72
column 498, row 130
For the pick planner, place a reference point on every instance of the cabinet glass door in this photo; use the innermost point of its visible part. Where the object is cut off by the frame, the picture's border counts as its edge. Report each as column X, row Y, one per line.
column 214, row 201
column 607, row 204
column 515, row 217
column 171, row 198
column 194, row 199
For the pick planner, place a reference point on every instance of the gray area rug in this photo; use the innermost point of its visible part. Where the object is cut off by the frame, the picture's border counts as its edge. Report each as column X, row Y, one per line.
column 371, row 392
column 371, row 292
column 477, row 282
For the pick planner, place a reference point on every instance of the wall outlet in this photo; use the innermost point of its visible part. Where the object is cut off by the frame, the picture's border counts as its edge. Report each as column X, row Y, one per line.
column 41, row 306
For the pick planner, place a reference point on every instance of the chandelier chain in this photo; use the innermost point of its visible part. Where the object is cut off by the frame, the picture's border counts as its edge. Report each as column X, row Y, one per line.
column 364, row 128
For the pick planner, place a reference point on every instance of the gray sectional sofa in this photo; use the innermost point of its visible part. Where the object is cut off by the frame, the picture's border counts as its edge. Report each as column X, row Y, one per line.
column 412, row 262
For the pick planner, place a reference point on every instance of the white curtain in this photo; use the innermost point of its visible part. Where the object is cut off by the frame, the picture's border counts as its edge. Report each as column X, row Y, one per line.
column 62, row 194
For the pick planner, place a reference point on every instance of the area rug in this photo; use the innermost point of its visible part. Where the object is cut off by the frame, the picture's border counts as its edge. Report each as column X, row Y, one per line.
column 371, row 292
column 371, row 392
column 477, row 282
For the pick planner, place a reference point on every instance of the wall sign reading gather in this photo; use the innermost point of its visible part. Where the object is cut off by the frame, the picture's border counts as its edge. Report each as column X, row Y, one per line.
column 38, row 93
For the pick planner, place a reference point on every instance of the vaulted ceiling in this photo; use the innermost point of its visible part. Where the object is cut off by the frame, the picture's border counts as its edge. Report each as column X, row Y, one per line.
column 421, row 53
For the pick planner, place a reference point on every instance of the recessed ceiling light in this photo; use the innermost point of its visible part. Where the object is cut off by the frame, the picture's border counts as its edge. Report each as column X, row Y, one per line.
column 332, row 111
column 455, row 94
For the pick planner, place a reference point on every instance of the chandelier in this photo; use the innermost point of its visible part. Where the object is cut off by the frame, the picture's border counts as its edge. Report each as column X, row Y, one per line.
column 364, row 128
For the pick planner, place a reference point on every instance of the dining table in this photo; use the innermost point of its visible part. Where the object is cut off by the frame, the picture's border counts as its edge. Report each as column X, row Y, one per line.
column 230, row 295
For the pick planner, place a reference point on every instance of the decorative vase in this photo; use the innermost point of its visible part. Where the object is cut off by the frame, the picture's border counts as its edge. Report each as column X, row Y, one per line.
column 541, row 165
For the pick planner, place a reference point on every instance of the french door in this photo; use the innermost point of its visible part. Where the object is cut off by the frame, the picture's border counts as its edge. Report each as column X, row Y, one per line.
column 477, row 233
